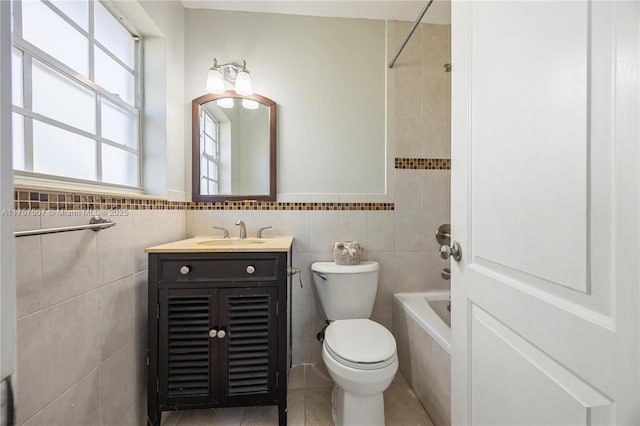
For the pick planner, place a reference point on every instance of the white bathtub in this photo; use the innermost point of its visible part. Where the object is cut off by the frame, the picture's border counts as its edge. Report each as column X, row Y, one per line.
column 423, row 335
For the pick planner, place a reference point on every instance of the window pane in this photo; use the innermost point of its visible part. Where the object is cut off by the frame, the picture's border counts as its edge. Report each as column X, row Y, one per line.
column 118, row 125
column 16, row 77
column 203, row 166
column 46, row 30
column 119, row 166
column 114, row 78
column 17, row 128
column 208, row 124
column 213, row 170
column 58, row 97
column 208, row 145
column 113, row 35
column 62, row 153
column 204, row 187
column 208, row 187
column 78, row 10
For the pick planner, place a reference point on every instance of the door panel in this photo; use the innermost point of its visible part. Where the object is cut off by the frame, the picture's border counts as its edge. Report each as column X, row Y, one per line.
column 504, row 361
column 530, row 93
column 185, row 348
column 545, row 203
column 248, row 352
column 552, row 162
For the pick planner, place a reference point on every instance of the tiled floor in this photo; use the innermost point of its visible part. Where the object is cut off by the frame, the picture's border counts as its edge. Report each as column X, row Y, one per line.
column 309, row 404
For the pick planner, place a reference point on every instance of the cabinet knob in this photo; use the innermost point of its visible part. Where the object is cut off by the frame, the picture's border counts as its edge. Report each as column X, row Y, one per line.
column 213, row 333
column 184, row 270
column 251, row 269
column 221, row 334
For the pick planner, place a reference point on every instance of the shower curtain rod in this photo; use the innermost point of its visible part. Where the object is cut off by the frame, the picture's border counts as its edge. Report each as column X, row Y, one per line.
column 415, row 25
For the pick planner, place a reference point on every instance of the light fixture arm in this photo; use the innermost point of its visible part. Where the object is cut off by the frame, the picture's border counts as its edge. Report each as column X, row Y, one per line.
column 231, row 65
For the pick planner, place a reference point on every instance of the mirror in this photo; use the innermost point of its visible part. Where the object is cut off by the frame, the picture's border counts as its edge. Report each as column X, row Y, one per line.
column 233, row 147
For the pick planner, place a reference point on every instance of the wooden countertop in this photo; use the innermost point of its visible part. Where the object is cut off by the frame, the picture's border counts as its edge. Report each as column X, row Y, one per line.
column 224, row 245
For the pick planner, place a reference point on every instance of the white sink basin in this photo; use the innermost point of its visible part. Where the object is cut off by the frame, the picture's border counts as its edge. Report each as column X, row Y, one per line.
column 221, row 242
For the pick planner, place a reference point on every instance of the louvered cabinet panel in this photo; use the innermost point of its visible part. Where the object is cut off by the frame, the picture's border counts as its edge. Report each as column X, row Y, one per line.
column 186, row 317
column 248, row 354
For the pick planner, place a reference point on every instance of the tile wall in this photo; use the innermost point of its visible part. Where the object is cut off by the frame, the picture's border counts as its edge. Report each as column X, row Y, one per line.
column 400, row 240
column 81, row 304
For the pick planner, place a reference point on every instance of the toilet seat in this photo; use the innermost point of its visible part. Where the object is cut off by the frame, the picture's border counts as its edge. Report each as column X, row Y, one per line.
column 360, row 343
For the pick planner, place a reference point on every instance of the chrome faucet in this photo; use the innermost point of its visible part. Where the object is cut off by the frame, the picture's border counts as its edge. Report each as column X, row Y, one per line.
column 243, row 229
column 259, row 233
column 224, row 230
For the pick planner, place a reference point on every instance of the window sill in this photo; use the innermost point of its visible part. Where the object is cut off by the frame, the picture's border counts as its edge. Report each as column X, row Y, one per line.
column 24, row 181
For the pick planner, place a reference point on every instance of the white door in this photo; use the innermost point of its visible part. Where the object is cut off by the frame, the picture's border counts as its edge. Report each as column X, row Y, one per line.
column 545, row 205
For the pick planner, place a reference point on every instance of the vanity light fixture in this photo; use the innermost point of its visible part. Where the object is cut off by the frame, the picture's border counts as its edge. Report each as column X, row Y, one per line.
column 225, row 102
column 215, row 81
column 250, row 104
column 221, row 76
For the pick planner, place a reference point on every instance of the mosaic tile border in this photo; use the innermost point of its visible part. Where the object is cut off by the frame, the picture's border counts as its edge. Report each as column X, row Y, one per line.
column 31, row 199
column 423, row 163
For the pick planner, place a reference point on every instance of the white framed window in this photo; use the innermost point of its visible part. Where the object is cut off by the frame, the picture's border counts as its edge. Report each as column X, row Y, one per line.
column 76, row 84
column 209, row 154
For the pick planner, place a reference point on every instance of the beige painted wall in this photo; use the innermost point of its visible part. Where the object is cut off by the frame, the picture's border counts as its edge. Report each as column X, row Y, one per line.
column 327, row 76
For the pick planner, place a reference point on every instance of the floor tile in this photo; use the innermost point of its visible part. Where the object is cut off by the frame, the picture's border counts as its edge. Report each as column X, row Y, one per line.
column 316, row 376
column 216, row 417
column 295, row 407
column 296, row 377
column 317, row 405
column 402, row 408
column 309, row 404
column 171, row 418
column 260, row 416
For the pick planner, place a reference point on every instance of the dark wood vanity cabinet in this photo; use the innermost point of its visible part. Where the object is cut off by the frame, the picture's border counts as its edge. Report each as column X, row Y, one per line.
column 217, row 331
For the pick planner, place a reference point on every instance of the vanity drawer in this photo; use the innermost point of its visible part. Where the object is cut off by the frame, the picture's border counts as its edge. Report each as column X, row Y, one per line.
column 193, row 270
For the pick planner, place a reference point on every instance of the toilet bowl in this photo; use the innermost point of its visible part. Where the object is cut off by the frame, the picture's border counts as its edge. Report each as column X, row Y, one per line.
column 360, row 354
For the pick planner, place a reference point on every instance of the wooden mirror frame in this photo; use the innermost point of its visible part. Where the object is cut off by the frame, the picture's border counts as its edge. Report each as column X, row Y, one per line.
column 195, row 148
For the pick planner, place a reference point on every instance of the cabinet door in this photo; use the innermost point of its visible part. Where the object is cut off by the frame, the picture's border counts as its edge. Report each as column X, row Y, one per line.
column 186, row 352
column 248, row 352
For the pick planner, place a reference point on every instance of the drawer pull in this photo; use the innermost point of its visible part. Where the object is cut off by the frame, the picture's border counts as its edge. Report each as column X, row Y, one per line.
column 251, row 269
column 184, row 270
column 221, row 334
column 213, row 333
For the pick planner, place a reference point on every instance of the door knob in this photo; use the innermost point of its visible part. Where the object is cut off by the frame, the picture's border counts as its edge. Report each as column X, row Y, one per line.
column 213, row 333
column 454, row 251
column 221, row 334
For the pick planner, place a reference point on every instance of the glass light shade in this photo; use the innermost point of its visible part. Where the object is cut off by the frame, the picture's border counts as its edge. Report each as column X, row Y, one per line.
column 250, row 104
column 243, row 84
column 225, row 102
column 215, row 82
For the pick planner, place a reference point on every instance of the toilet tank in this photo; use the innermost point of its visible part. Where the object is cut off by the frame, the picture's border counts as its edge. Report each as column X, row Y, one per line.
column 346, row 291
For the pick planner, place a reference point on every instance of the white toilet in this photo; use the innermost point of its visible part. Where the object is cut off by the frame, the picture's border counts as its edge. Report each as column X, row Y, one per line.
column 359, row 354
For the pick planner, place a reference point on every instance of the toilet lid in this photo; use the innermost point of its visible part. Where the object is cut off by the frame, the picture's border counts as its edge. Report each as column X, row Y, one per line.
column 360, row 341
